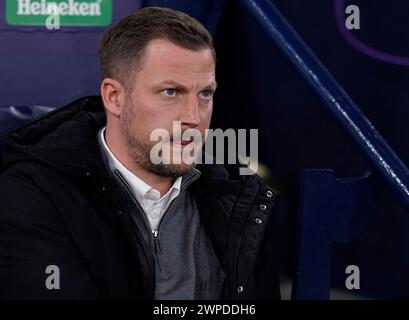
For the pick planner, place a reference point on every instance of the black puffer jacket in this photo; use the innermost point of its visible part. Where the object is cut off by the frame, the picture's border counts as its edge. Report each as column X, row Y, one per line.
column 59, row 207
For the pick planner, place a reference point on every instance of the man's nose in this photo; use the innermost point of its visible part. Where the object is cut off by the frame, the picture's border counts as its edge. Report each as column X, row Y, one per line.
column 191, row 116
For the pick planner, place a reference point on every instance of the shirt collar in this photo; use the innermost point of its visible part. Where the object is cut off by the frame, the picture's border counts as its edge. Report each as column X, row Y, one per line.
column 138, row 186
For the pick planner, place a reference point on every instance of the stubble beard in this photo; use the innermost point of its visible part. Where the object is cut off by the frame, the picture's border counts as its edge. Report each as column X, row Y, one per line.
column 140, row 151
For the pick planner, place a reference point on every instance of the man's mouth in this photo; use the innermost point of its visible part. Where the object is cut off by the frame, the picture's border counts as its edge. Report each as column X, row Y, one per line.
column 182, row 143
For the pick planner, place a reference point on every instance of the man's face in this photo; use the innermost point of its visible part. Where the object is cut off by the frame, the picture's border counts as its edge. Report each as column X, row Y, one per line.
column 172, row 84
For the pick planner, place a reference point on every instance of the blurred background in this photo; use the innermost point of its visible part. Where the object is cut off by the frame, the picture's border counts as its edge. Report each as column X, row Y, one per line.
column 42, row 69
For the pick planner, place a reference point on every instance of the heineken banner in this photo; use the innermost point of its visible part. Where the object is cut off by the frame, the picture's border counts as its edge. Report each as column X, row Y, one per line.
column 68, row 12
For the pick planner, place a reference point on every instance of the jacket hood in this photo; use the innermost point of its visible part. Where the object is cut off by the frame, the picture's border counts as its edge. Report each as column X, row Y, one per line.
column 62, row 139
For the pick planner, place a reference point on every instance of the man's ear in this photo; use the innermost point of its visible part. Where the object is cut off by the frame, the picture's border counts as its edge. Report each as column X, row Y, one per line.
column 113, row 96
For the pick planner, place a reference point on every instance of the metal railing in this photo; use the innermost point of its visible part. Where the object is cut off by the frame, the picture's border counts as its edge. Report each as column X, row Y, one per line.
column 337, row 101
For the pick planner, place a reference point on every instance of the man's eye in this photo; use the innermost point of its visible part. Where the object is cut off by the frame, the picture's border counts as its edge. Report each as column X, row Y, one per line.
column 206, row 94
column 169, row 92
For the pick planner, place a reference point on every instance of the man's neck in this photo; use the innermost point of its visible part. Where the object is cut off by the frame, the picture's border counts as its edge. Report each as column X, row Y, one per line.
column 160, row 183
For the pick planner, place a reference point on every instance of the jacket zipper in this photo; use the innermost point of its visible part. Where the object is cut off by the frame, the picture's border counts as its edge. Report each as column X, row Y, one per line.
column 155, row 233
column 156, row 242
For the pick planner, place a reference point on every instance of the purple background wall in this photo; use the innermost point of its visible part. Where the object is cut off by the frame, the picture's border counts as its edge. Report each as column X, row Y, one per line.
column 51, row 67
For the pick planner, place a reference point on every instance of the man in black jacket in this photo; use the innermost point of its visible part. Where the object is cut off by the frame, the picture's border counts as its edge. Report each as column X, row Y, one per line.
column 87, row 212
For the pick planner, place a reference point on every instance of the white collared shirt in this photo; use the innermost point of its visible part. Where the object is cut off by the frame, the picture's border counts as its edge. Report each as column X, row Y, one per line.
column 149, row 198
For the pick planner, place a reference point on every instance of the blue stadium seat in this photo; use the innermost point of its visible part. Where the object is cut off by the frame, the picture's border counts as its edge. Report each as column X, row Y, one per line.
column 331, row 211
